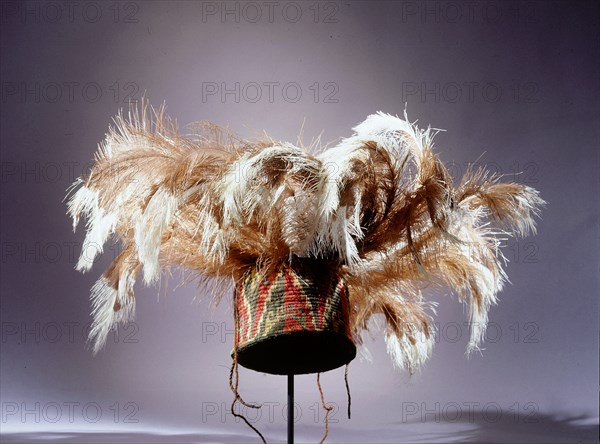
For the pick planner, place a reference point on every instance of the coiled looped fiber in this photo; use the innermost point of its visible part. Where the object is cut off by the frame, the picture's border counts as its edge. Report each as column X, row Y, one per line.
column 293, row 319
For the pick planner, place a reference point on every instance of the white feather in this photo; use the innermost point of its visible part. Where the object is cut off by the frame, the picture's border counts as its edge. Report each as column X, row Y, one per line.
column 103, row 299
column 406, row 355
column 149, row 230
column 100, row 225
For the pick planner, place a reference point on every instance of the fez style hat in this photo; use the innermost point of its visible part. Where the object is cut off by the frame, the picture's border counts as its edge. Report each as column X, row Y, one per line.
column 299, row 314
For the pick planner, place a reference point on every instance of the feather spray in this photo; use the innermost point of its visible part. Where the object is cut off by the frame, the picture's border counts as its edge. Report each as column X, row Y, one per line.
column 380, row 205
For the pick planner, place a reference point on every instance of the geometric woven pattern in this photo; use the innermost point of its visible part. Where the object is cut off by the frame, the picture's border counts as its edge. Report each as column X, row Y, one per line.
column 294, row 320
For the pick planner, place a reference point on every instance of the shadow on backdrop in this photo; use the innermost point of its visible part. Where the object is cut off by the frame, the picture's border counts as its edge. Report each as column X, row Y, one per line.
column 477, row 426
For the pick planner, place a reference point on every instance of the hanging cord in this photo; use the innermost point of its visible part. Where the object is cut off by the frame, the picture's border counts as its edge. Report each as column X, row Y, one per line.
column 326, row 407
column 234, row 371
column 347, row 390
column 234, row 389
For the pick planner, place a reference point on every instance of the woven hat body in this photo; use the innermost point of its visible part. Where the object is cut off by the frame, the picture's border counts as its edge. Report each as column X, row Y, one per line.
column 293, row 320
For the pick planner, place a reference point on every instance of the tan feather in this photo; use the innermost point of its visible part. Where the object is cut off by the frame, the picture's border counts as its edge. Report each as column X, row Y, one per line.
column 380, row 206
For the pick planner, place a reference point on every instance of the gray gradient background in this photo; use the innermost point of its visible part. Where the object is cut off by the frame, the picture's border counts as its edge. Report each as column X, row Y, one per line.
column 536, row 380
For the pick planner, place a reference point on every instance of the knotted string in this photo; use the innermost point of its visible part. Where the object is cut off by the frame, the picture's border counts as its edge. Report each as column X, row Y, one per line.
column 326, row 407
column 234, row 370
column 347, row 390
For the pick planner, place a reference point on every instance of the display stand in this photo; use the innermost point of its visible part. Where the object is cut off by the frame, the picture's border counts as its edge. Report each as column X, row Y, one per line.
column 290, row 406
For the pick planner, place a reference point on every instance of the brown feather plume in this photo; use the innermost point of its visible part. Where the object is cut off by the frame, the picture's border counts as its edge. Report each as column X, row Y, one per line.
column 380, row 206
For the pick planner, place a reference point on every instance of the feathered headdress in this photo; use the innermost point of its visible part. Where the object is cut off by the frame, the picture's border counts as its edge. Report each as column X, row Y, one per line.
column 380, row 206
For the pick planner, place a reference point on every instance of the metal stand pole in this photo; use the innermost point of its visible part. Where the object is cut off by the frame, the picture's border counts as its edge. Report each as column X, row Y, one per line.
column 290, row 398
